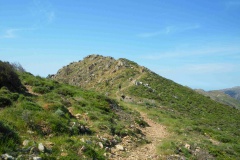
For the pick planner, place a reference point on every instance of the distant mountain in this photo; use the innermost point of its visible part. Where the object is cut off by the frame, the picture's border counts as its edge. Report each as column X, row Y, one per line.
column 233, row 92
column 193, row 118
column 222, row 97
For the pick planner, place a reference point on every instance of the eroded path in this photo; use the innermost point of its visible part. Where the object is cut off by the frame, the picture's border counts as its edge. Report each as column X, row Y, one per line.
column 154, row 133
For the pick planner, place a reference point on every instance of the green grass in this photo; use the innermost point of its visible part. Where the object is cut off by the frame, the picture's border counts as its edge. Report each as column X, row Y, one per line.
column 50, row 116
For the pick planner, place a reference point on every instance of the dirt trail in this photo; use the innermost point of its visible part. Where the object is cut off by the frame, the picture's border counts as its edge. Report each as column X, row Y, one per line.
column 29, row 89
column 129, row 85
column 154, row 133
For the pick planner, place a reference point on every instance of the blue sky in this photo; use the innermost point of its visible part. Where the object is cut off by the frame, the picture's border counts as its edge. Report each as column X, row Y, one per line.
column 194, row 43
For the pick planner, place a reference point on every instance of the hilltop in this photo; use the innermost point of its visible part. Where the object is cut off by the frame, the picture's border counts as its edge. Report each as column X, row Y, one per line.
column 199, row 126
column 100, row 73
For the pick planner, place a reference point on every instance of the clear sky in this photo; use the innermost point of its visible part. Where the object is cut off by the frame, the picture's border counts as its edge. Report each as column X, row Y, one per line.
column 192, row 42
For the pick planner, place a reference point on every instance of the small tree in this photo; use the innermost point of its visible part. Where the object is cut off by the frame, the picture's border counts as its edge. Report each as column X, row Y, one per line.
column 18, row 67
column 9, row 78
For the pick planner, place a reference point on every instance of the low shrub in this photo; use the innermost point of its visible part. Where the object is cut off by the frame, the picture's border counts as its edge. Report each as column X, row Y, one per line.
column 8, row 138
column 41, row 90
column 31, row 106
column 65, row 91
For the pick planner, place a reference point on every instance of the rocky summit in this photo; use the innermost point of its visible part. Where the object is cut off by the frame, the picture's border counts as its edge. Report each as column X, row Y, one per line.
column 100, row 73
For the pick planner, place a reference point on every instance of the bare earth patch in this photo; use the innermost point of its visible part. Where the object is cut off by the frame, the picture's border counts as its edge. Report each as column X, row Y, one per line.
column 29, row 89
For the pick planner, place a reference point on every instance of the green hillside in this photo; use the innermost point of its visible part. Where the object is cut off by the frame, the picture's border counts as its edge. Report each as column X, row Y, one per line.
column 50, row 120
column 191, row 117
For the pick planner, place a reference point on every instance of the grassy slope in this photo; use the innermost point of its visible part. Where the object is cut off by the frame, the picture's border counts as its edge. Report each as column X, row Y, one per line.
column 192, row 114
column 192, row 117
column 47, row 117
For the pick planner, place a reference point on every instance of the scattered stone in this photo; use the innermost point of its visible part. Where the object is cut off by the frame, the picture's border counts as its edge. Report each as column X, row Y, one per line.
column 100, row 145
column 30, row 132
column 81, row 150
column 187, row 146
column 198, row 149
column 78, row 116
column 108, row 149
column 49, row 145
column 104, row 139
column 7, row 157
column 63, row 154
column 119, row 147
column 41, row 147
column 114, row 141
column 25, row 143
column 83, row 140
column 82, row 129
column 120, row 63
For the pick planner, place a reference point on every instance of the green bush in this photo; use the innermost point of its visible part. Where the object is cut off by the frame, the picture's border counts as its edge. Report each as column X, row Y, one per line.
column 65, row 91
column 41, row 90
column 59, row 126
column 93, row 154
column 4, row 102
column 9, row 78
column 8, row 138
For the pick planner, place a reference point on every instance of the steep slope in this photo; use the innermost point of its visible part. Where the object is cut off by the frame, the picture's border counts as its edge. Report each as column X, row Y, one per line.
column 58, row 121
column 201, row 127
column 221, row 97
